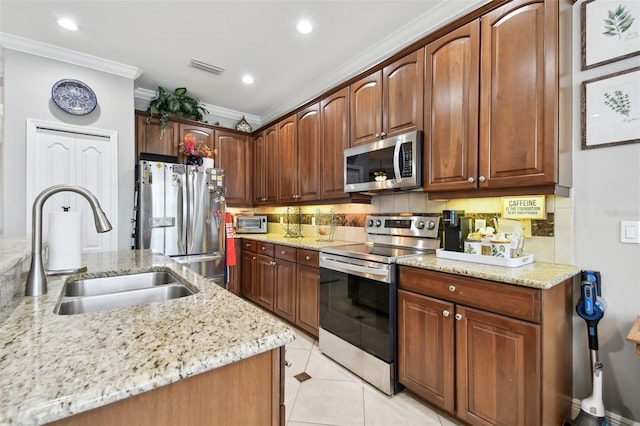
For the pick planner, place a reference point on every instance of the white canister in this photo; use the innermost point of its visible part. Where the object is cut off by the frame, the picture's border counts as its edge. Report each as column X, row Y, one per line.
column 472, row 246
column 501, row 248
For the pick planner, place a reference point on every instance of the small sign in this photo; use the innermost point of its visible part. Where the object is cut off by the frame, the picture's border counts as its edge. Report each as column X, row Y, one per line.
column 527, row 207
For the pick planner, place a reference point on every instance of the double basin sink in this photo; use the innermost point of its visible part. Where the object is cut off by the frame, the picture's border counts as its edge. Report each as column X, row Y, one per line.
column 105, row 293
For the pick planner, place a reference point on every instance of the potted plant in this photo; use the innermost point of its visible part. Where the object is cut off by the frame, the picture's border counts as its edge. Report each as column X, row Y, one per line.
column 178, row 103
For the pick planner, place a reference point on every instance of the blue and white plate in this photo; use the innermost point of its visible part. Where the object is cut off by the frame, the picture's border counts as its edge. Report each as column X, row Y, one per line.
column 74, row 97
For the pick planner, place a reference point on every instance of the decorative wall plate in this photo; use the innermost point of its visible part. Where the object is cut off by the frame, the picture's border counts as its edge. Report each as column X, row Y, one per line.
column 74, row 97
column 243, row 125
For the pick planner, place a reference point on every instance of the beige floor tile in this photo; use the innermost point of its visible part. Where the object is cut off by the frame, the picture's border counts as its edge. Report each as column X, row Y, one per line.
column 321, row 366
column 399, row 409
column 332, row 402
column 306, row 424
column 302, row 340
column 297, row 360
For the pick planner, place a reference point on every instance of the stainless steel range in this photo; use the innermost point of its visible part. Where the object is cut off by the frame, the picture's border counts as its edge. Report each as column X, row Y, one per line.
column 358, row 295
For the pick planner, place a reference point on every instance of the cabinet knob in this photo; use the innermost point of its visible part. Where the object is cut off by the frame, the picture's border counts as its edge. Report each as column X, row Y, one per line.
column 377, row 135
column 458, row 317
column 283, row 252
column 452, row 288
column 272, row 263
column 264, row 248
column 471, row 180
column 383, row 134
column 307, row 257
column 253, row 258
column 482, row 178
column 446, row 313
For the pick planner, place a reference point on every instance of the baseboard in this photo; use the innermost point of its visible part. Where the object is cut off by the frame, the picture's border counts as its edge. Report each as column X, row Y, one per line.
column 613, row 419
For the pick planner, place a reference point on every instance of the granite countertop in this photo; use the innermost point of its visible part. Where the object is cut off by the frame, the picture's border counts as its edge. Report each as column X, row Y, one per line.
column 53, row 366
column 537, row 274
column 13, row 250
column 304, row 242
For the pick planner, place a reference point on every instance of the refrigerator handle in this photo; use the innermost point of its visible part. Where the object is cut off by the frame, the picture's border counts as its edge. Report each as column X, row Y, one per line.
column 193, row 208
column 182, row 211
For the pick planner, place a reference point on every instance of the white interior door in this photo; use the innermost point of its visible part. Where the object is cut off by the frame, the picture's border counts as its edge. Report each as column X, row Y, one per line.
column 86, row 160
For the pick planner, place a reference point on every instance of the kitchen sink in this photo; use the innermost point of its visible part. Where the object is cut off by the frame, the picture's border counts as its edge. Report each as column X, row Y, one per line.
column 104, row 293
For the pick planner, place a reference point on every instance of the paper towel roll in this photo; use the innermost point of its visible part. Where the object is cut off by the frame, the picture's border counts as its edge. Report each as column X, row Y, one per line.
column 65, row 240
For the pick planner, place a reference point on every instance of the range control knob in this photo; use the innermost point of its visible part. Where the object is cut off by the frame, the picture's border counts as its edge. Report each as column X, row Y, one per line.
column 431, row 225
column 370, row 222
column 378, row 223
column 420, row 224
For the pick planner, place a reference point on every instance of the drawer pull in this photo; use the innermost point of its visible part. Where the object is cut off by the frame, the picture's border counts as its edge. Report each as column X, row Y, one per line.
column 307, row 257
column 272, row 263
column 446, row 313
column 253, row 258
column 452, row 288
column 458, row 317
column 264, row 248
column 283, row 252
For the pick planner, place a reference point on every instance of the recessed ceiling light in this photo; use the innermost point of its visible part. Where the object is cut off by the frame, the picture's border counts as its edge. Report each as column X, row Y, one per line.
column 67, row 24
column 304, row 27
column 247, row 79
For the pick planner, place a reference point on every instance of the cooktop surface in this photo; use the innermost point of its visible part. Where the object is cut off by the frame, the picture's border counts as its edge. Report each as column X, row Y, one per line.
column 374, row 252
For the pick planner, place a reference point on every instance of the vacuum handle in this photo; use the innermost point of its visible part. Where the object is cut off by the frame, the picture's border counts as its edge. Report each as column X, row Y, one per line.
column 592, row 333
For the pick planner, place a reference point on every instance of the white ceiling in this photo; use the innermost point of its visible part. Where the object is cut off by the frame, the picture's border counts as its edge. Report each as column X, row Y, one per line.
column 161, row 37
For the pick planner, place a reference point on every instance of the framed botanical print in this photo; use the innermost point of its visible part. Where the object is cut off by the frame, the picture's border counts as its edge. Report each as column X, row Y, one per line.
column 611, row 109
column 610, row 31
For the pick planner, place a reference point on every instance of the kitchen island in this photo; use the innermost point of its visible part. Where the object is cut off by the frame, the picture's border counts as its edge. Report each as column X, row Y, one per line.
column 56, row 366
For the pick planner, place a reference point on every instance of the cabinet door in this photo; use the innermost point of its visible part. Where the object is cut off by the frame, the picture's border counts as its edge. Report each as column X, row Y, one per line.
column 518, row 101
column 203, row 135
column 264, row 280
column 451, row 110
column 288, row 156
column 248, row 267
column 426, row 348
column 403, row 99
column 366, row 109
column 266, row 166
column 234, row 153
column 498, row 369
column 308, row 161
column 150, row 139
column 308, row 306
column 285, row 290
column 334, row 120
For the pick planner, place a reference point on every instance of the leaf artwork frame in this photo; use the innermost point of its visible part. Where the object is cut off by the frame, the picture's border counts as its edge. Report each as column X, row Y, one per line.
column 611, row 109
column 610, row 31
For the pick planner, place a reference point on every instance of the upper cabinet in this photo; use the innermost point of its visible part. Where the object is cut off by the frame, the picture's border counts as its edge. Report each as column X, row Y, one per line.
column 234, row 153
column 150, row 139
column 504, row 138
column 265, row 187
column 203, row 135
column 287, row 152
column 309, row 155
column 389, row 101
column 334, row 112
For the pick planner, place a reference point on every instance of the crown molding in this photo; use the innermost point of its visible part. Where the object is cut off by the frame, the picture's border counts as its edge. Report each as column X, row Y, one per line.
column 21, row 44
column 147, row 95
column 448, row 11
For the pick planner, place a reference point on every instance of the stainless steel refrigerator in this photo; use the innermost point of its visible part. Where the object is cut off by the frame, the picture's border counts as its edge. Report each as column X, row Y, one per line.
column 181, row 213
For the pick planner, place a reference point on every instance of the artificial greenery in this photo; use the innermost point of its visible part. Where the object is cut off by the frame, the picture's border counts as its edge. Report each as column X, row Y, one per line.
column 178, row 103
column 619, row 21
column 619, row 102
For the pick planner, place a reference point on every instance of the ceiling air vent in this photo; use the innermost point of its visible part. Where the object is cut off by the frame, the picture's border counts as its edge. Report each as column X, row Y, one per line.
column 206, row 67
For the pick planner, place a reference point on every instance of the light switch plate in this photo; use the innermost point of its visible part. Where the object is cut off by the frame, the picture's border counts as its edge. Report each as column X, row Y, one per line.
column 630, row 232
column 480, row 224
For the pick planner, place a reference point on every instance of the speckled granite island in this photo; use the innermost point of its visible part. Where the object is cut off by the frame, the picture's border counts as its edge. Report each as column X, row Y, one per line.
column 54, row 366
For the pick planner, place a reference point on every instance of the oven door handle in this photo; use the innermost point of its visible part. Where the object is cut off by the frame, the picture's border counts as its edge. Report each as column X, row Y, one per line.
column 351, row 268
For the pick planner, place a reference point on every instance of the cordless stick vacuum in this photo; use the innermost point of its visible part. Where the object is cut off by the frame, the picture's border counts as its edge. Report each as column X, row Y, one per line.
column 591, row 307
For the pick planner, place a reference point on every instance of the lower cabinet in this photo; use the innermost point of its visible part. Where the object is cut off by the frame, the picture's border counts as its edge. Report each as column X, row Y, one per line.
column 284, row 280
column 476, row 348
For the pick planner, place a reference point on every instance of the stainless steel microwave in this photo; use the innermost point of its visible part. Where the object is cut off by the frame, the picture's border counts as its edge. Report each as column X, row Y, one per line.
column 246, row 224
column 389, row 164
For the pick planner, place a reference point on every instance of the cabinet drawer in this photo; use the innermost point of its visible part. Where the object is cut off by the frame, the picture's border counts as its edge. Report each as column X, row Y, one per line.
column 309, row 258
column 285, row 253
column 507, row 299
column 249, row 245
column 266, row 249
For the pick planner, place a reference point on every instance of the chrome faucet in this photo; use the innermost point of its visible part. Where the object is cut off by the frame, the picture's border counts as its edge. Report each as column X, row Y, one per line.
column 37, row 279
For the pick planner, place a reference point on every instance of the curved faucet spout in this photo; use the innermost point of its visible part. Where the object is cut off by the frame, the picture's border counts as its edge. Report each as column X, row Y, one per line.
column 37, row 279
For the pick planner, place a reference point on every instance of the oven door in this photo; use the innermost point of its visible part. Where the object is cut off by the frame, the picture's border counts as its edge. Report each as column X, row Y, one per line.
column 357, row 303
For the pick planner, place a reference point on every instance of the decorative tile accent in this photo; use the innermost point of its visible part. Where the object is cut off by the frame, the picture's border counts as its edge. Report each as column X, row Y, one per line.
column 302, row 377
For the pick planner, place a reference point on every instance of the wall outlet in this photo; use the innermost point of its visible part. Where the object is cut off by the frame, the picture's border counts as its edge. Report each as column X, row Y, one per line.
column 479, row 224
column 630, row 232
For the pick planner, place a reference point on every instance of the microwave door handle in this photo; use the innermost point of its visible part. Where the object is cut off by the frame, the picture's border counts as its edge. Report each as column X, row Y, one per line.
column 396, row 161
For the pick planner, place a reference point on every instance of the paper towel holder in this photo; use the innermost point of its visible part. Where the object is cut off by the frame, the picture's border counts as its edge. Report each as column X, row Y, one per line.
column 51, row 272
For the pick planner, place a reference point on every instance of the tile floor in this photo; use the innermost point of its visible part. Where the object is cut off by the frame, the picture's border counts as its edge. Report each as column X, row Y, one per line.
column 335, row 396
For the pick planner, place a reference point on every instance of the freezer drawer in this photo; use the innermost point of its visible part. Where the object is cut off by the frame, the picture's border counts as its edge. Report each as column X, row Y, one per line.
column 208, row 265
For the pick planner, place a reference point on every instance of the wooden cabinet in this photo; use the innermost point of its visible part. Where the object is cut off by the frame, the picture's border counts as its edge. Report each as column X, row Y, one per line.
column 150, row 139
column 388, row 101
column 285, row 282
column 234, row 153
column 203, row 135
column 266, row 165
column 248, row 263
column 476, row 348
column 512, row 55
column 308, row 295
column 265, row 275
column 309, row 154
column 334, row 119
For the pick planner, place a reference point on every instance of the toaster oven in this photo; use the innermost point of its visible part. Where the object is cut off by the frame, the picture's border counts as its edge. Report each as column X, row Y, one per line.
column 249, row 224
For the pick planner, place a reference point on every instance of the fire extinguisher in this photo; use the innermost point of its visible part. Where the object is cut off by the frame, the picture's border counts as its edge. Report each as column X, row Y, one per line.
column 231, row 246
